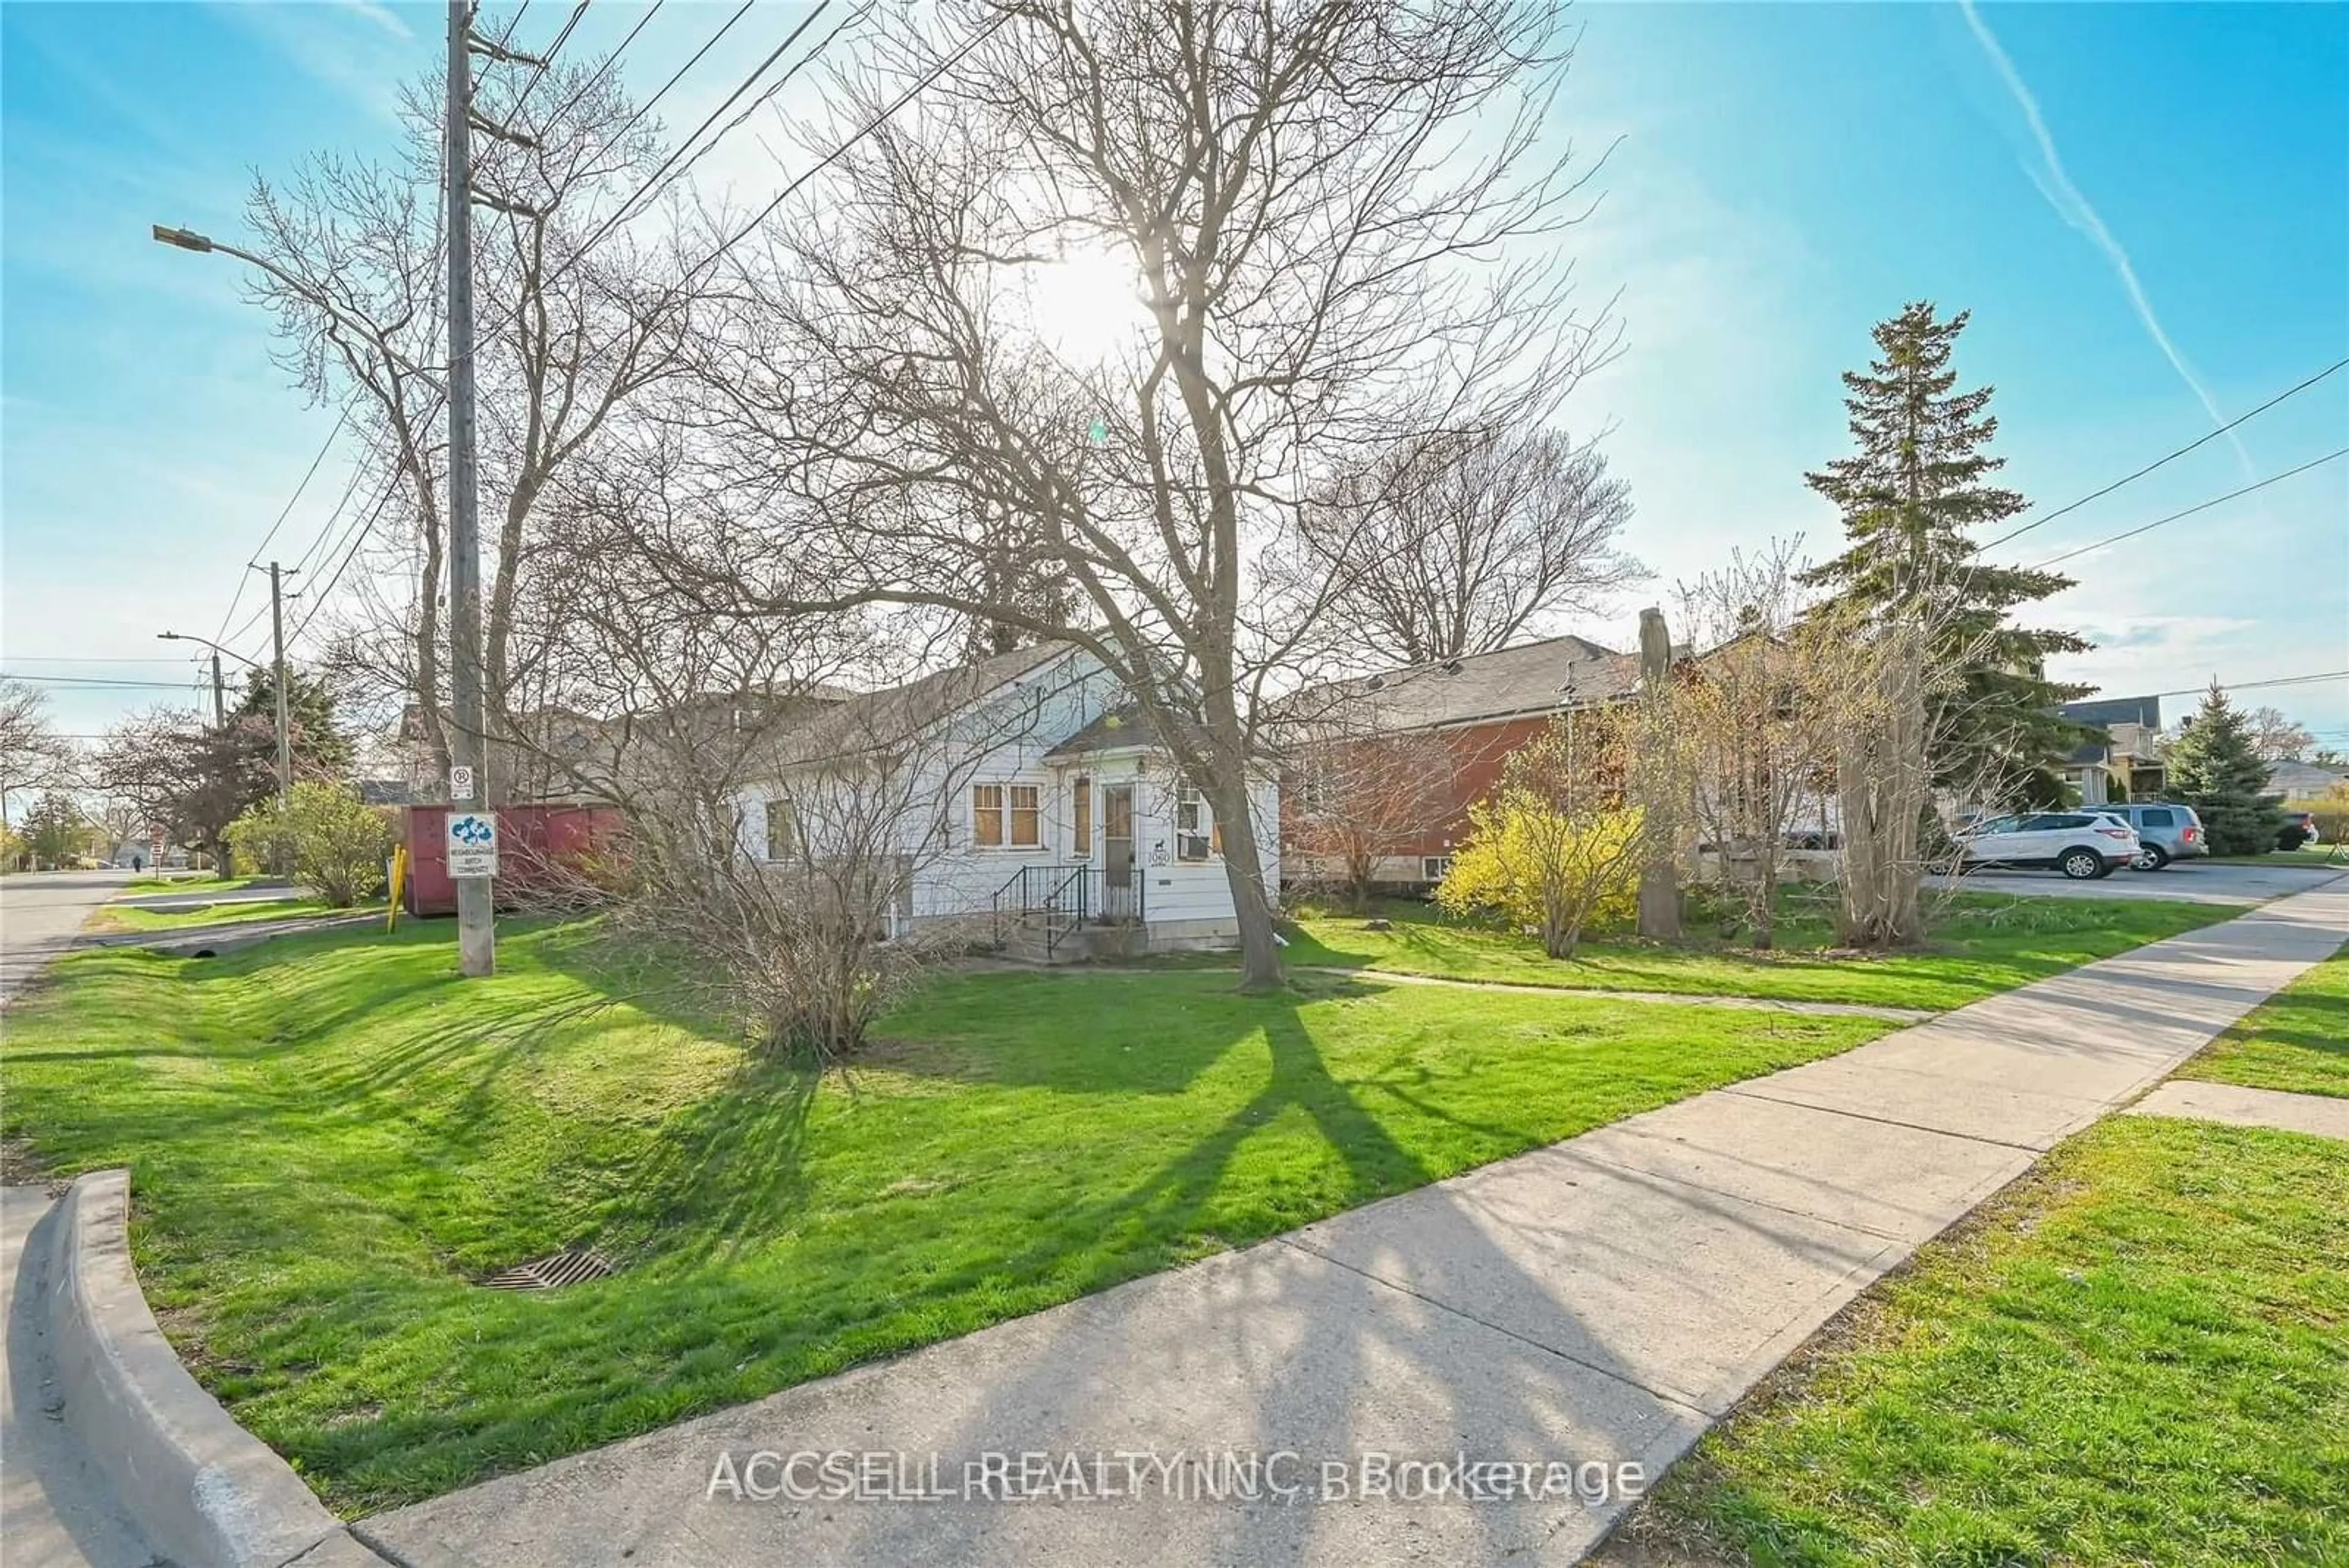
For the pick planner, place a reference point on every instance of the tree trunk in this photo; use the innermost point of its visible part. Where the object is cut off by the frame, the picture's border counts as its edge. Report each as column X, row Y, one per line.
column 1659, row 889
column 1260, row 969
column 1882, row 776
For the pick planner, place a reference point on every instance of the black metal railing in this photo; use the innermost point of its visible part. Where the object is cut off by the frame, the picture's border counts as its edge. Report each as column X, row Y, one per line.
column 1068, row 898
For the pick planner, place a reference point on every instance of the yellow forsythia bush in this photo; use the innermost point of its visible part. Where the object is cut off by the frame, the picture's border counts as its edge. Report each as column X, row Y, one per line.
column 1545, row 869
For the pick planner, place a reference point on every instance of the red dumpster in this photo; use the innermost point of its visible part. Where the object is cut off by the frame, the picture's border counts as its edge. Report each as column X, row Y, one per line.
column 533, row 841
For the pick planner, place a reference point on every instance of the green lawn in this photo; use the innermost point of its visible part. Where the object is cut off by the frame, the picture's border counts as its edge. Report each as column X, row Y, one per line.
column 1983, row 944
column 2297, row 1041
column 2136, row 1357
column 127, row 917
column 331, row 1138
column 188, row 882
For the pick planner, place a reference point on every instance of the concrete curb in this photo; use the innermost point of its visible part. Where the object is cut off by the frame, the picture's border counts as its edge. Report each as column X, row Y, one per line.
column 200, row 1489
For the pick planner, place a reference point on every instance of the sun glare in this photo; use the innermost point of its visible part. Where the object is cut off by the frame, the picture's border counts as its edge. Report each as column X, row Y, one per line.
column 1087, row 304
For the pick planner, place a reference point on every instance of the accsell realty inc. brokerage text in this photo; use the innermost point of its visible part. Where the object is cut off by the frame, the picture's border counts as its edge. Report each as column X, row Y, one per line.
column 1225, row 1475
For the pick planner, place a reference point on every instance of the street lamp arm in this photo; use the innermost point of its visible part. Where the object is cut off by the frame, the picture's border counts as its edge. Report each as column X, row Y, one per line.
column 216, row 647
column 188, row 240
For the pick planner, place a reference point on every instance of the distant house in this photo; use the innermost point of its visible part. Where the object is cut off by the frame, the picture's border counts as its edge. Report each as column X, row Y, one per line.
column 1450, row 726
column 1023, row 788
column 2303, row 781
column 2125, row 764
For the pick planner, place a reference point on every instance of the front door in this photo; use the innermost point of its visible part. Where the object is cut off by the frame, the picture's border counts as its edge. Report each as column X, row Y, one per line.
column 1120, row 897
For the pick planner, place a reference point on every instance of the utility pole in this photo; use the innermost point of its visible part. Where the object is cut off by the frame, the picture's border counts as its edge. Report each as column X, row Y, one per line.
column 285, row 720
column 220, row 695
column 476, row 907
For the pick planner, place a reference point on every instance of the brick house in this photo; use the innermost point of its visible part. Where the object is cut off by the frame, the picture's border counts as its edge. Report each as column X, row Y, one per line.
column 1389, row 763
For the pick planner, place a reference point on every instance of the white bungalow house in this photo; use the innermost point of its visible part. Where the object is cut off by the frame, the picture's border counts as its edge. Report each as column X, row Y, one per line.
column 1024, row 791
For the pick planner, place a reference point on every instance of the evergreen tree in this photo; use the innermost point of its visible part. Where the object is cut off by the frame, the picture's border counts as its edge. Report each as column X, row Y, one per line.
column 319, row 747
column 1910, row 497
column 55, row 831
column 2216, row 769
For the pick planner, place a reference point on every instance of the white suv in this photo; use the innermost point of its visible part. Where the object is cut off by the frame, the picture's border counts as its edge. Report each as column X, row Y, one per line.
column 2080, row 843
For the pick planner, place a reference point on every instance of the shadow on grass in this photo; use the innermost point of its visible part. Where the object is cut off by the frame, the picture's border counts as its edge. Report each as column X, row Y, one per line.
column 725, row 1174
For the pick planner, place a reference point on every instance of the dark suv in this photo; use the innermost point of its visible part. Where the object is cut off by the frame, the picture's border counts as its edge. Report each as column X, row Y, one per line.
column 2166, row 831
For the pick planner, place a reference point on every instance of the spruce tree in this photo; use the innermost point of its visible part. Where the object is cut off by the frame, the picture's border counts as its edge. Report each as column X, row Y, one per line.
column 1910, row 496
column 2216, row 769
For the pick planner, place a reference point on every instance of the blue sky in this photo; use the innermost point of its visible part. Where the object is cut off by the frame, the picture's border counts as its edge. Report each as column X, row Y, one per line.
column 1785, row 176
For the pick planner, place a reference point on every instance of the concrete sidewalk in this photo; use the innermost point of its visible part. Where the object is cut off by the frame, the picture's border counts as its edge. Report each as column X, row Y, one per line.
column 2320, row 1115
column 1598, row 1302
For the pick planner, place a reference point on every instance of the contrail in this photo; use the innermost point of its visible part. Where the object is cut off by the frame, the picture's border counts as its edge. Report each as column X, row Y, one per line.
column 2074, row 209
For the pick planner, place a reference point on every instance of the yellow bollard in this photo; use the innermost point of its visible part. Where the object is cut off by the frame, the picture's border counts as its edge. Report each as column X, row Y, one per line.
column 398, row 879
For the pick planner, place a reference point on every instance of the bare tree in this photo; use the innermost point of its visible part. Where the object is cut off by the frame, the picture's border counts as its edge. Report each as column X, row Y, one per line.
column 2276, row 738
column 1884, row 740
column 32, row 754
column 1352, row 802
column 1753, row 719
column 186, row 777
column 1319, row 216
column 1454, row 543
column 587, row 320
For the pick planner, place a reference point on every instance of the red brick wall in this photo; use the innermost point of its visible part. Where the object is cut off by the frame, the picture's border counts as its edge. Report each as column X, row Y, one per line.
column 1478, row 754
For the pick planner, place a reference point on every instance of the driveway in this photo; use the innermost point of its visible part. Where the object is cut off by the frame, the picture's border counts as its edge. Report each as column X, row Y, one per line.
column 39, row 913
column 2195, row 882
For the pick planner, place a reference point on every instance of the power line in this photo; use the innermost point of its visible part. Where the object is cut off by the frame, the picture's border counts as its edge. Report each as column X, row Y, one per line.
column 546, row 62
column 2190, row 511
column 647, row 107
column 88, row 658
column 506, row 37
column 358, row 536
column 2181, row 451
column 867, row 128
column 100, row 680
column 2258, row 685
column 625, row 209
column 283, row 512
column 584, row 89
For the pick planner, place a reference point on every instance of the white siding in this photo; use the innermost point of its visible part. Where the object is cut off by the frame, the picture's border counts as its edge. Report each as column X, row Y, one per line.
column 1003, row 741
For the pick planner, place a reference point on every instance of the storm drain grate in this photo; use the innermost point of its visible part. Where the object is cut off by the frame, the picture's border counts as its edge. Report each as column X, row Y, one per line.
column 552, row 1272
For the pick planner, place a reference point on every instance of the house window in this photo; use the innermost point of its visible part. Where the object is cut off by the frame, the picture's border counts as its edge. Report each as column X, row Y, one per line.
column 1082, row 831
column 1434, row 867
column 1193, row 837
column 1007, row 815
column 783, row 830
column 1026, row 817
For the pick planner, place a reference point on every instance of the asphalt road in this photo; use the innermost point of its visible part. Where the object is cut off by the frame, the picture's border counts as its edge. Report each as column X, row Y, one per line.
column 39, row 913
column 2195, row 882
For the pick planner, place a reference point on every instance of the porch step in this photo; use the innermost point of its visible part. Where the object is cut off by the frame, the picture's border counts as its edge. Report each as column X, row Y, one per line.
column 1025, row 944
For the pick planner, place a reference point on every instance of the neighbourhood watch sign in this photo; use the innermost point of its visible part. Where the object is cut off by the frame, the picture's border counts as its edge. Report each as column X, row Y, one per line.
column 472, row 844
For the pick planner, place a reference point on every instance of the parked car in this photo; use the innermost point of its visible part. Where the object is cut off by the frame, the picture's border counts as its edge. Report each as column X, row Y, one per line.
column 2298, row 829
column 2166, row 831
column 2080, row 843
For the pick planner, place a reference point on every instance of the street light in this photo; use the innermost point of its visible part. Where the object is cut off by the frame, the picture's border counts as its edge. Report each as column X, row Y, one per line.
column 219, row 714
column 216, row 647
column 188, row 240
